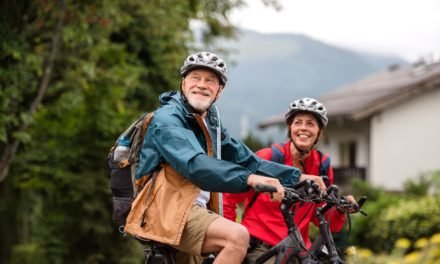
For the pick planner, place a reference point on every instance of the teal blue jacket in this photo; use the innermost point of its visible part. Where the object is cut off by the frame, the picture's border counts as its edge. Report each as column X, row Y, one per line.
column 175, row 137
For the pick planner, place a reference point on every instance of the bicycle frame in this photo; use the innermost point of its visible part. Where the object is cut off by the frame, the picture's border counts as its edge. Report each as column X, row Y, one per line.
column 158, row 253
column 325, row 238
column 293, row 245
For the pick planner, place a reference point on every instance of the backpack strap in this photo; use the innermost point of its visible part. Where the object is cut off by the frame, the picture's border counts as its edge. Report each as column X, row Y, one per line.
column 146, row 123
column 138, row 138
column 324, row 160
column 324, row 166
column 277, row 153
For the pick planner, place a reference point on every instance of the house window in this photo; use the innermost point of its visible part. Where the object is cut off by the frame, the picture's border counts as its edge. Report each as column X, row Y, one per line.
column 347, row 154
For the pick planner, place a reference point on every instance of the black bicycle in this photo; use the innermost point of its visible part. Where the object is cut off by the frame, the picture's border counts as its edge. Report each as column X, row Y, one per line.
column 292, row 248
column 323, row 247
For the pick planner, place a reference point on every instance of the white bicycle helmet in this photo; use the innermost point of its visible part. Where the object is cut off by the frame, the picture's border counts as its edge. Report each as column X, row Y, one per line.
column 208, row 60
column 310, row 105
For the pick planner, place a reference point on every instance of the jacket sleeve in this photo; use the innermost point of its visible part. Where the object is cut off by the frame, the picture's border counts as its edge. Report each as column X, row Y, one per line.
column 170, row 135
column 330, row 174
column 230, row 202
column 335, row 219
column 235, row 151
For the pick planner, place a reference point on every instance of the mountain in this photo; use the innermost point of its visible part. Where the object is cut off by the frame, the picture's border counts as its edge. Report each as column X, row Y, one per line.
column 268, row 71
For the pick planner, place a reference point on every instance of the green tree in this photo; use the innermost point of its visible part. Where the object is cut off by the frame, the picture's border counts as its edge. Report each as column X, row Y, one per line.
column 254, row 143
column 73, row 74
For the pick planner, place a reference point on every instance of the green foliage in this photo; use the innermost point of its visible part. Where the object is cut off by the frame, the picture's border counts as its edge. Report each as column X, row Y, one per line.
column 254, row 143
column 114, row 59
column 426, row 251
column 26, row 254
column 377, row 202
column 410, row 215
column 363, row 188
column 424, row 185
column 411, row 219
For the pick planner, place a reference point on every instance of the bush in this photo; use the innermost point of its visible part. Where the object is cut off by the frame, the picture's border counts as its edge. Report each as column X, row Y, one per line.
column 362, row 226
column 411, row 219
column 410, row 214
column 26, row 254
column 426, row 251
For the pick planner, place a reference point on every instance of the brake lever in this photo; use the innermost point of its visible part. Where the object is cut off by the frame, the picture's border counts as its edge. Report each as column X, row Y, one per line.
column 360, row 204
column 357, row 207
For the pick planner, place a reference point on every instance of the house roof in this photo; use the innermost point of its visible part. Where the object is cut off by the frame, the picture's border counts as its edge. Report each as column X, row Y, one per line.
column 373, row 93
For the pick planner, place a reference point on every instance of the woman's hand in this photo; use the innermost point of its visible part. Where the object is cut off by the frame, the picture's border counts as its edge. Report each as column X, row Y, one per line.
column 316, row 179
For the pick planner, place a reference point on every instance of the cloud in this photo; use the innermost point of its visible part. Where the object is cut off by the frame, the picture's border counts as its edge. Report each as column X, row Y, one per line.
column 410, row 29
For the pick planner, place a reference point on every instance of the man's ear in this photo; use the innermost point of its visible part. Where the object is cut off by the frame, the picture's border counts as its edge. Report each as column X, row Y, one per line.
column 220, row 90
column 182, row 82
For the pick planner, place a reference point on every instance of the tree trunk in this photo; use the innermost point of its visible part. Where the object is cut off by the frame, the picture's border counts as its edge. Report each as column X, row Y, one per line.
column 10, row 150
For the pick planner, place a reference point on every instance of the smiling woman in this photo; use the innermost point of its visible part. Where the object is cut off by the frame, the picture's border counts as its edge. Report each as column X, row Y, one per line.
column 306, row 118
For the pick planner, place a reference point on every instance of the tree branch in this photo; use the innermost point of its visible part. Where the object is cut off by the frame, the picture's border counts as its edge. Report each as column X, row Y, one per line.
column 10, row 150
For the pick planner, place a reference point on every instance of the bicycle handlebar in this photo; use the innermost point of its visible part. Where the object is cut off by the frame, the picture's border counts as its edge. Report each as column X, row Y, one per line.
column 309, row 191
column 259, row 188
column 332, row 198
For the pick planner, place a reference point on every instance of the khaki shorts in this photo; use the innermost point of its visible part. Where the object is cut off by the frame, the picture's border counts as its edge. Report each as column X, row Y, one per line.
column 195, row 229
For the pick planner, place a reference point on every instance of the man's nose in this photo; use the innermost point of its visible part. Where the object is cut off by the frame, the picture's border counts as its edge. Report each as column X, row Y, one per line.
column 202, row 84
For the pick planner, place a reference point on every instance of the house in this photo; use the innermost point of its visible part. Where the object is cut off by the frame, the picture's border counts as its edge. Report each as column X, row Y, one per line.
column 384, row 128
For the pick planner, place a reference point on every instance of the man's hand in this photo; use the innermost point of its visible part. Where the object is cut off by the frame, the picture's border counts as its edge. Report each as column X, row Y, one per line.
column 254, row 179
column 316, row 179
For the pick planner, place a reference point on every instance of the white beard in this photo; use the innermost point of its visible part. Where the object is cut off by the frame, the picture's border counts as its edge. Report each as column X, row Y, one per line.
column 200, row 106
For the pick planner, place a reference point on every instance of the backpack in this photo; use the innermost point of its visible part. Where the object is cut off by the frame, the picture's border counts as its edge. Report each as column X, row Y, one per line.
column 123, row 183
column 324, row 161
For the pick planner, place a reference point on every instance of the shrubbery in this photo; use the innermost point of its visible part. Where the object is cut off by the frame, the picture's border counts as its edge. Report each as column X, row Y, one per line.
column 410, row 219
column 426, row 251
column 400, row 227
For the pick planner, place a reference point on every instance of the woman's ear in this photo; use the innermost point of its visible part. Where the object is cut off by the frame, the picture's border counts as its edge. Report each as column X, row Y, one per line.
column 320, row 134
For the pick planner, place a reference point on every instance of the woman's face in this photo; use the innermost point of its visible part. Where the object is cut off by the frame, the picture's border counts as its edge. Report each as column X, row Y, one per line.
column 304, row 130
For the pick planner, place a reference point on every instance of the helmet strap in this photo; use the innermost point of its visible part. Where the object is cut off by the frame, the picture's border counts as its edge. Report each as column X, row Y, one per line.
column 303, row 153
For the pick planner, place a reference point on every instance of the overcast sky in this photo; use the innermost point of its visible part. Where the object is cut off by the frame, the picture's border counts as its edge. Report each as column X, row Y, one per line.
column 407, row 28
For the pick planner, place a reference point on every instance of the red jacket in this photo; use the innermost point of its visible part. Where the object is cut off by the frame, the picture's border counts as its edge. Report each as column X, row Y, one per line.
column 264, row 219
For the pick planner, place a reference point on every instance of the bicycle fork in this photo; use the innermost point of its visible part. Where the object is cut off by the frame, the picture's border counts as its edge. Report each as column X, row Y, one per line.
column 326, row 239
column 288, row 248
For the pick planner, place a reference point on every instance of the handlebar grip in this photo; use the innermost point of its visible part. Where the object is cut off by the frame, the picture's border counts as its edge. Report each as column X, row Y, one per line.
column 300, row 184
column 265, row 188
column 361, row 201
column 333, row 189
